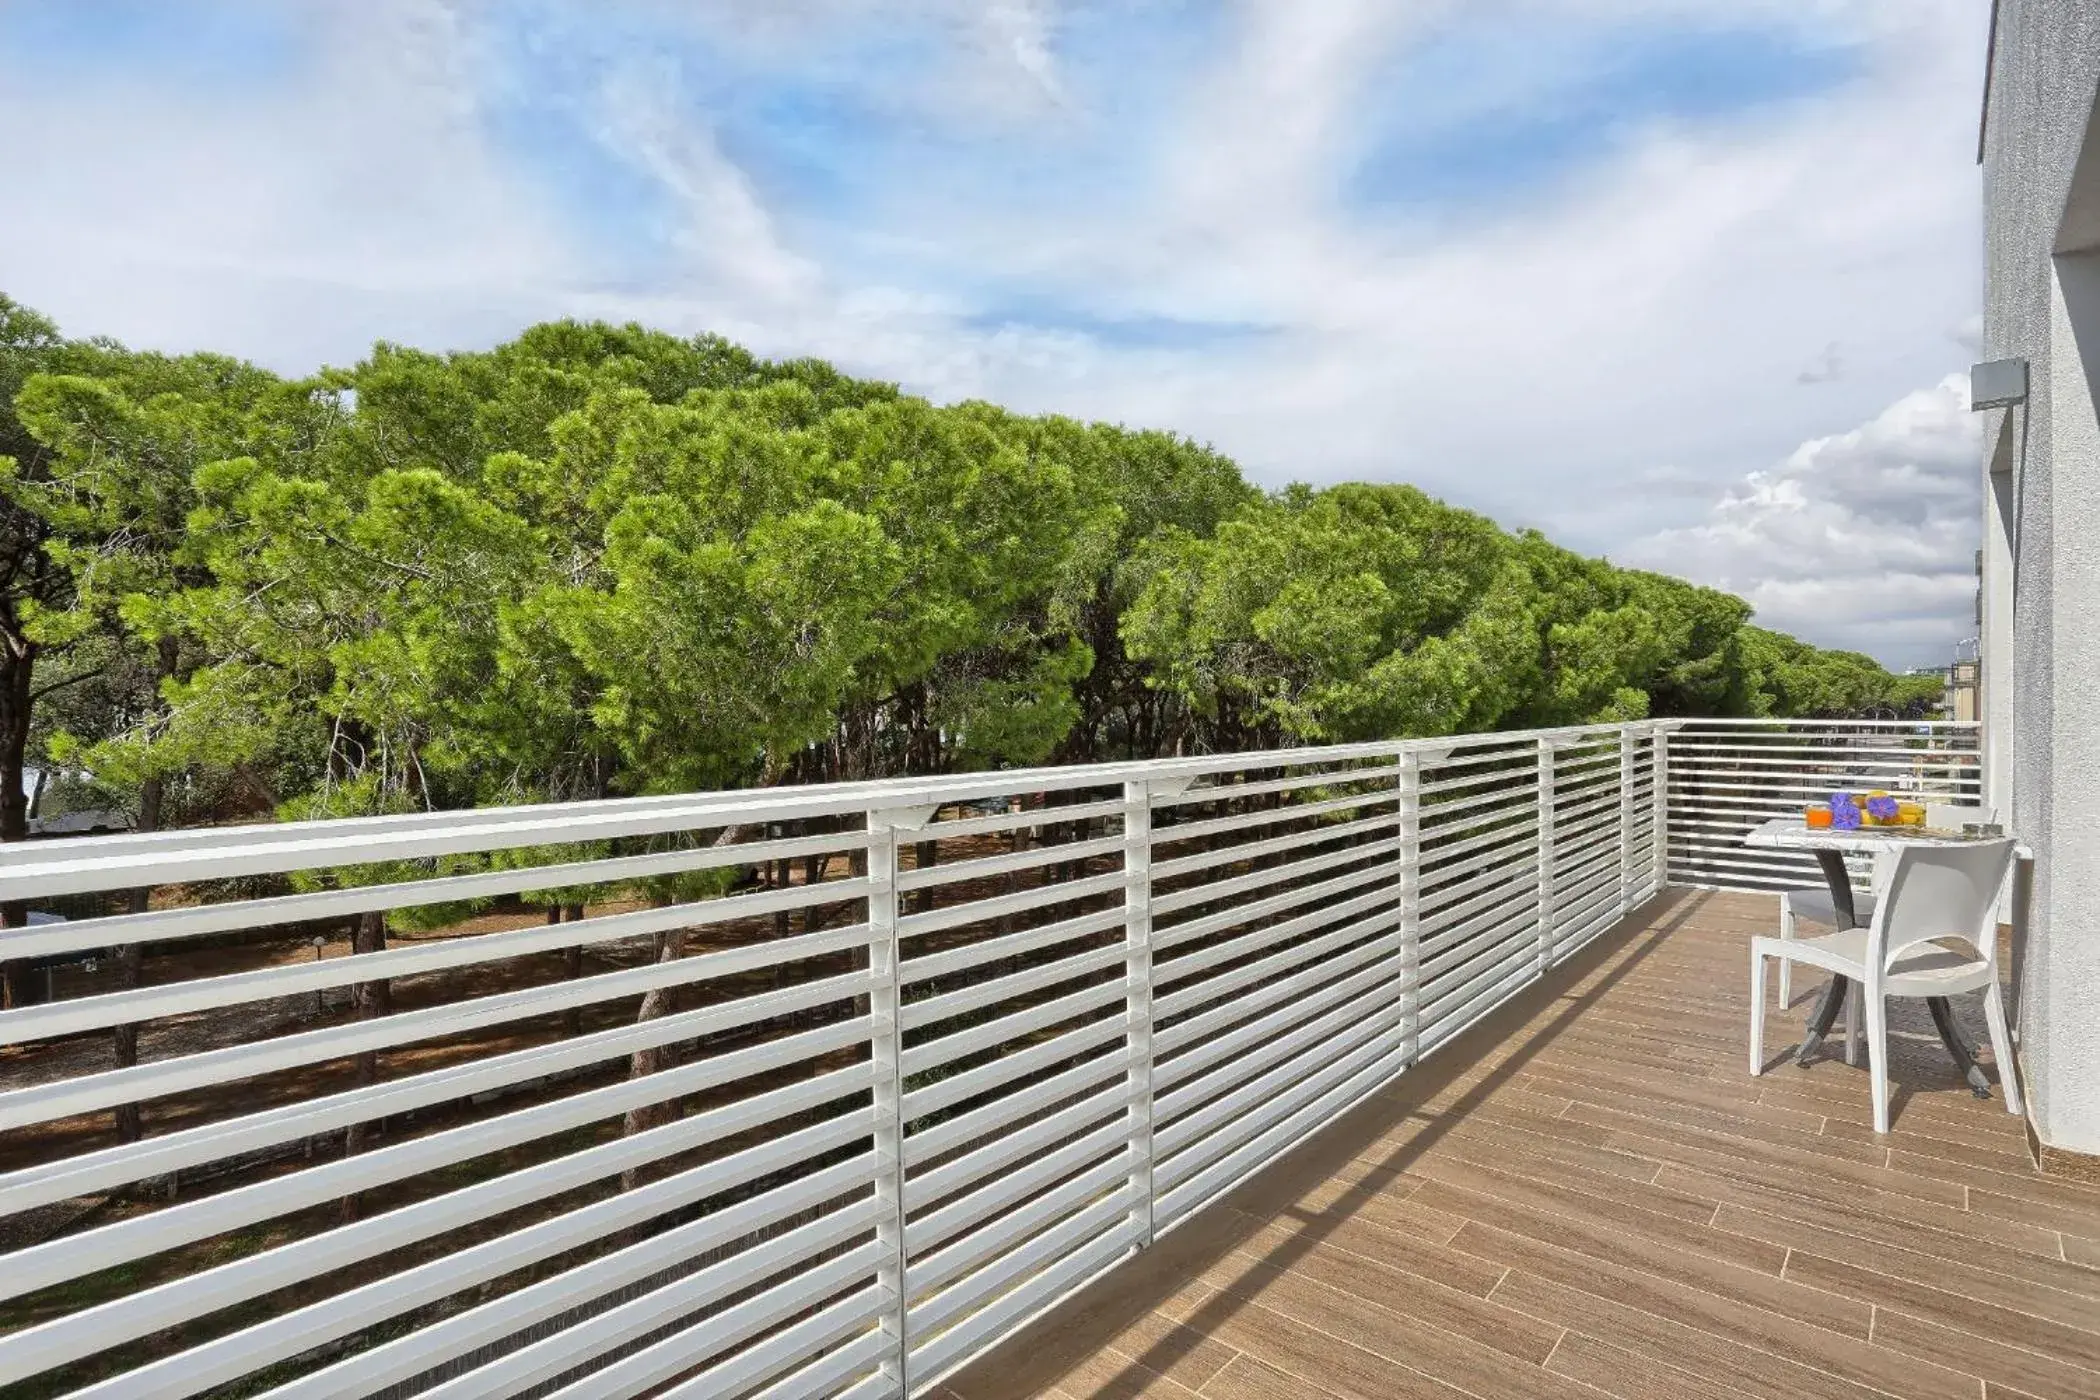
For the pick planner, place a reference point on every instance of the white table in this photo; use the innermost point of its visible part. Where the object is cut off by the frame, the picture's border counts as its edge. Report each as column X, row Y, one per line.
column 1830, row 845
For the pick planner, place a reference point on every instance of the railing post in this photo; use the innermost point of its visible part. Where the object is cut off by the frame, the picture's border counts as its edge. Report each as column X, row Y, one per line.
column 887, row 1045
column 1545, row 803
column 1137, row 1003
column 1661, row 782
column 1627, row 739
column 1410, row 787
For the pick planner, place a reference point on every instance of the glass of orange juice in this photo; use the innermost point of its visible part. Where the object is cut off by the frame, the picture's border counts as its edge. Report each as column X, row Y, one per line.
column 1817, row 815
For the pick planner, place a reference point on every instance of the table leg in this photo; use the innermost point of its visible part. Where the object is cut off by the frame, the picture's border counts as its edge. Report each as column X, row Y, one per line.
column 1950, row 1036
column 1833, row 999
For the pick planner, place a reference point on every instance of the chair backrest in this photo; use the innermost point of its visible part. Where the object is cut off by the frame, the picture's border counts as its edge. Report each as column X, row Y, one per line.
column 1882, row 870
column 1940, row 816
column 1937, row 891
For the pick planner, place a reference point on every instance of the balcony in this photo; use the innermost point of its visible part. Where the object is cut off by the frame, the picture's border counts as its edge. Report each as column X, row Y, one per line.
column 1588, row 1196
column 1384, row 1069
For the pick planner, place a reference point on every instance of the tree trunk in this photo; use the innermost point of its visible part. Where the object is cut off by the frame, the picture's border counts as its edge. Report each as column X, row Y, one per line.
column 571, row 969
column 371, row 1000
column 782, row 876
column 17, row 671
column 657, row 1002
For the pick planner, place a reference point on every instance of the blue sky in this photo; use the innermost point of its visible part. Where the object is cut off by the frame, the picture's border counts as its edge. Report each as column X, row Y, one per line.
column 1605, row 267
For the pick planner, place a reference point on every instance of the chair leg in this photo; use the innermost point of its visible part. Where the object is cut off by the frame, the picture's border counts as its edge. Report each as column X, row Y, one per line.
column 1786, row 965
column 1757, row 1009
column 1878, row 1055
column 1853, row 997
column 2001, row 1047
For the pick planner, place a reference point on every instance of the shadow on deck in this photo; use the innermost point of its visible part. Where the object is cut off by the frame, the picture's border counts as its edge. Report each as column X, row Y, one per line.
column 1588, row 1194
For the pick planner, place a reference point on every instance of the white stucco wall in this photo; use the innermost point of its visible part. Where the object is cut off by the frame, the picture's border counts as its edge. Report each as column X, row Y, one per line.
column 2042, row 304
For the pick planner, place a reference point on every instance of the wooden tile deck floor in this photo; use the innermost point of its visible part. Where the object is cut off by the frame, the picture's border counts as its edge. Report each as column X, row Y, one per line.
column 1588, row 1195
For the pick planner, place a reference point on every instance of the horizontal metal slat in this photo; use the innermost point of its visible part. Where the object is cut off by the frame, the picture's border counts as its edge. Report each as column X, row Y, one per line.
column 933, row 1270
column 417, row 1352
column 1220, row 1118
column 1000, row 1113
column 1033, row 858
column 1380, row 878
column 998, row 1272
column 207, row 993
column 1226, row 855
column 653, row 1365
column 1193, row 994
column 1241, row 821
column 933, row 1010
column 1010, row 1026
column 1382, row 979
column 928, row 966
column 1013, row 821
column 89, row 1330
column 1072, row 1118
column 1186, row 1175
column 86, row 1093
column 1019, row 902
column 56, row 1261
column 935, row 1226
column 982, row 1080
column 1330, row 777
column 1375, row 1006
column 1019, row 1306
column 30, row 1187
column 193, row 921
column 1272, row 875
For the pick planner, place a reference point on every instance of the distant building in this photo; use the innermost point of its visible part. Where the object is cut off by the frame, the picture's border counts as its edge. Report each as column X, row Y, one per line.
column 1962, row 690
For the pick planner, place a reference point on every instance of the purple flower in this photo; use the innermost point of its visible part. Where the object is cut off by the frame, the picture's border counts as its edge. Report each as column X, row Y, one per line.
column 1882, row 809
column 1841, row 799
column 1845, row 817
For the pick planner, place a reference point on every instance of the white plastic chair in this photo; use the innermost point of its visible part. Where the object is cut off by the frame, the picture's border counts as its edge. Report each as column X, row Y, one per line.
column 1933, row 892
column 1816, row 905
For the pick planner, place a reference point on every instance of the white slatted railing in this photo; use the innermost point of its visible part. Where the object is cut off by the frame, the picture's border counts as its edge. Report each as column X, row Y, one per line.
column 1728, row 776
column 922, row 1057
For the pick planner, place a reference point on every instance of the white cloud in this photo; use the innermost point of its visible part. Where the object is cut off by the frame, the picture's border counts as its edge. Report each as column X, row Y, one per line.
column 1599, row 359
column 295, row 223
column 1864, row 539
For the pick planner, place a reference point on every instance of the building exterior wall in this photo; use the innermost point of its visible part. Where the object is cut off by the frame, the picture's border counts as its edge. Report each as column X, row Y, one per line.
column 2041, row 648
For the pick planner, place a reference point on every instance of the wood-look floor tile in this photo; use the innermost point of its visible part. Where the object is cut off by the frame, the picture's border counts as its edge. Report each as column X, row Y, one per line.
column 1664, row 1264
column 1543, row 1173
column 1760, row 1163
column 1355, row 1295
column 1247, row 1379
column 1109, row 1375
column 1870, row 1214
column 1283, row 1236
column 1345, row 1366
column 2037, row 1201
column 1622, row 1373
column 1693, row 1346
column 1954, row 1306
column 1164, row 1346
column 2046, row 1287
column 1376, row 1197
column 1721, row 1133
column 1840, row 1349
column 1998, row 1363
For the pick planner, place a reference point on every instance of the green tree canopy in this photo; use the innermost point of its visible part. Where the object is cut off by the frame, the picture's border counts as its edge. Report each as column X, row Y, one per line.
column 601, row 559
